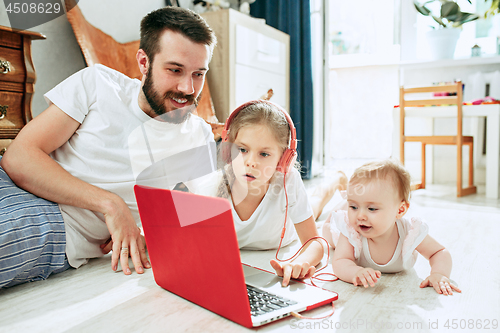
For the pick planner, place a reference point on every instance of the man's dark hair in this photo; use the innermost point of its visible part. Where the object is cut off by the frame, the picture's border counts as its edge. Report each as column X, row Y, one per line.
column 176, row 19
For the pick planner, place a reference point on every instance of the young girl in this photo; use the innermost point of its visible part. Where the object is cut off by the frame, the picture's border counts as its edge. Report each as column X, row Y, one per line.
column 265, row 194
column 372, row 237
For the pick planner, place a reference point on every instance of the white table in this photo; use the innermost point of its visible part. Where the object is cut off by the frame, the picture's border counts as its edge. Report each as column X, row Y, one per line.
column 492, row 114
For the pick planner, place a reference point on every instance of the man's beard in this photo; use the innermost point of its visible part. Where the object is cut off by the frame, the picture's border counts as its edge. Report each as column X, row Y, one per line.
column 157, row 102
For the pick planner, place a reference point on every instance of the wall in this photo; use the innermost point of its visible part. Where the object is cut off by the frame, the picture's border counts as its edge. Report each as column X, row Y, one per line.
column 364, row 88
column 363, row 81
column 59, row 56
column 360, row 119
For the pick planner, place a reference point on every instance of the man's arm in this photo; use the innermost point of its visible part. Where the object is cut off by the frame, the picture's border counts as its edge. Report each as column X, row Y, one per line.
column 28, row 164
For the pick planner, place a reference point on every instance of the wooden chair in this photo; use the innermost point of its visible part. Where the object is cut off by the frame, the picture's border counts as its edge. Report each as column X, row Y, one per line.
column 100, row 48
column 459, row 140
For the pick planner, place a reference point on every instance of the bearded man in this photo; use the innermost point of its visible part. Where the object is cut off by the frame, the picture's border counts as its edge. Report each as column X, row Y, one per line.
column 66, row 181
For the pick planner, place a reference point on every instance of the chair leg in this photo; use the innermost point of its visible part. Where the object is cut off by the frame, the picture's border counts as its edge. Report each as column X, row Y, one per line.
column 423, row 166
column 459, row 170
column 402, row 151
column 471, row 165
column 471, row 189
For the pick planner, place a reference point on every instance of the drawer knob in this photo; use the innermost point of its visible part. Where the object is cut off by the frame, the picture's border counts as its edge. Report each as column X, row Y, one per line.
column 4, row 66
column 3, row 111
column 3, row 151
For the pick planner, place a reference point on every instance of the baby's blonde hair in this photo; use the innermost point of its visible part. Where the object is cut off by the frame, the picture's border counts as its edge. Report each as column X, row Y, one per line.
column 385, row 169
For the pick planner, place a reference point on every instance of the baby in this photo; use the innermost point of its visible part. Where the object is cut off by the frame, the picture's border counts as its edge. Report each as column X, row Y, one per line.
column 371, row 236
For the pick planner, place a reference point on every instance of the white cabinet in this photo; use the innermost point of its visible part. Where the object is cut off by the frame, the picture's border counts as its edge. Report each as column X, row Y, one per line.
column 249, row 59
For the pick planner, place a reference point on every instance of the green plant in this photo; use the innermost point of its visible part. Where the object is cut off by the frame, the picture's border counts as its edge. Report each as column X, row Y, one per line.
column 450, row 15
column 494, row 9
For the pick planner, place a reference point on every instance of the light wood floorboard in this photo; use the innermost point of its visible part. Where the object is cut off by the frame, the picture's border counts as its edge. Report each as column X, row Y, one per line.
column 95, row 299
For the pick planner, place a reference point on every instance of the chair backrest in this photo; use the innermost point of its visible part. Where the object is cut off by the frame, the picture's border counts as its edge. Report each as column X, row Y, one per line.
column 442, row 97
column 100, row 48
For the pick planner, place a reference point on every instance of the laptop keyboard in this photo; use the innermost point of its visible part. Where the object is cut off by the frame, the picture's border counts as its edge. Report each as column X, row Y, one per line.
column 262, row 302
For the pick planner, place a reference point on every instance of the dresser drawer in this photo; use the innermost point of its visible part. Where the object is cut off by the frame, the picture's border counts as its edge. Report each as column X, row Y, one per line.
column 4, row 143
column 252, row 83
column 15, row 60
column 10, row 39
column 13, row 120
column 260, row 51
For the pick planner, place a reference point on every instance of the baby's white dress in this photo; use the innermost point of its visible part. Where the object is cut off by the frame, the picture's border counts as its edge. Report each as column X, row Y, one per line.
column 411, row 233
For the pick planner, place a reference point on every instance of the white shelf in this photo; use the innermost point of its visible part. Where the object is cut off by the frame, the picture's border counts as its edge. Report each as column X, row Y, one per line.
column 474, row 61
column 390, row 57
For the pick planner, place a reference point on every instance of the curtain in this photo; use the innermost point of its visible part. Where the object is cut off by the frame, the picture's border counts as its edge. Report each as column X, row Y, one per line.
column 293, row 17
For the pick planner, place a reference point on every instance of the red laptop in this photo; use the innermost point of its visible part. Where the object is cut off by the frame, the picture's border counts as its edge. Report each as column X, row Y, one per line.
column 191, row 238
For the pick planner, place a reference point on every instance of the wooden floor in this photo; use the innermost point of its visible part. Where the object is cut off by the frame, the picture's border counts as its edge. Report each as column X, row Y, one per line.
column 95, row 299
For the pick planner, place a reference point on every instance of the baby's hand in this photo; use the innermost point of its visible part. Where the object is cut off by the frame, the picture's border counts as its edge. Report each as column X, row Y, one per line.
column 441, row 284
column 366, row 276
column 291, row 270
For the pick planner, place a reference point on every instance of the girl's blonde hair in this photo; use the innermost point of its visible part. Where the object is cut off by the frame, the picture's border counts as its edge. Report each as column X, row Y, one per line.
column 258, row 113
column 262, row 113
column 385, row 169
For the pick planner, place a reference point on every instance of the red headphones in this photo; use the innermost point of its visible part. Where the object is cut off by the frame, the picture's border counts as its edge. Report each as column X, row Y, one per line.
column 289, row 155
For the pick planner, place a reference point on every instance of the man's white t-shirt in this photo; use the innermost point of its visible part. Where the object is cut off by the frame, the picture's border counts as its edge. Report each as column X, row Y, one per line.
column 263, row 229
column 108, row 149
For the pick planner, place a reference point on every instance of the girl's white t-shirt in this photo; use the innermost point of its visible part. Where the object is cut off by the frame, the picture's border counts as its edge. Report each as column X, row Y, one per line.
column 114, row 143
column 263, row 229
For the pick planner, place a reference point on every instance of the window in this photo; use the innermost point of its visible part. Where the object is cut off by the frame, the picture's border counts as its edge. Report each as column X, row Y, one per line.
column 362, row 31
column 483, row 32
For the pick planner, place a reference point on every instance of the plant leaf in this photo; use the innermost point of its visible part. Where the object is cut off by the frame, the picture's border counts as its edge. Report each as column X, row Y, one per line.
column 454, row 18
column 494, row 9
column 421, row 9
column 438, row 20
column 467, row 17
column 449, row 8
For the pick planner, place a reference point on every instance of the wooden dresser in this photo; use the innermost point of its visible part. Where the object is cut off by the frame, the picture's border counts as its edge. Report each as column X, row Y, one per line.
column 17, row 79
column 250, row 58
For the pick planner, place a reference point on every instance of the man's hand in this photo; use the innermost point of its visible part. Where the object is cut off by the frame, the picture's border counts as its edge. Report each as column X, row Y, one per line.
column 126, row 238
column 107, row 246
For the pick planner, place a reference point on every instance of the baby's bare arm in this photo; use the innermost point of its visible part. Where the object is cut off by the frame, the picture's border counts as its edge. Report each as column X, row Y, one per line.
column 343, row 263
column 441, row 263
column 439, row 258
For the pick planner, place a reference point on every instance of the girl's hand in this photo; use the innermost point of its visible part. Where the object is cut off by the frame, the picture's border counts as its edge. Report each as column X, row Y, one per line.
column 366, row 276
column 441, row 284
column 293, row 270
